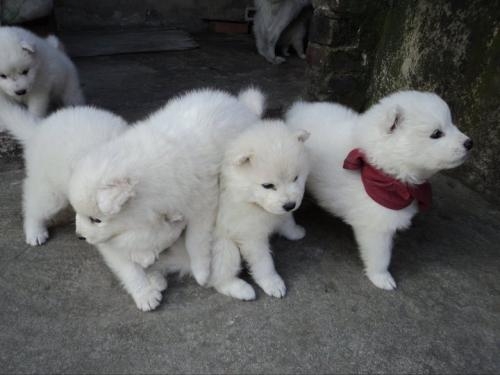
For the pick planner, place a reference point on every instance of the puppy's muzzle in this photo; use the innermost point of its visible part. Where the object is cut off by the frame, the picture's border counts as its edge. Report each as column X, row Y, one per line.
column 20, row 92
column 82, row 238
column 468, row 144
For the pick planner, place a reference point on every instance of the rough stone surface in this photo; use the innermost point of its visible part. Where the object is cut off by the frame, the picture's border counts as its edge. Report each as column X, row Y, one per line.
column 341, row 51
column 62, row 311
column 449, row 47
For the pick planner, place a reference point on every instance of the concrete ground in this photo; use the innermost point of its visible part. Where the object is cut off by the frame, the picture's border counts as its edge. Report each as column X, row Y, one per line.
column 63, row 311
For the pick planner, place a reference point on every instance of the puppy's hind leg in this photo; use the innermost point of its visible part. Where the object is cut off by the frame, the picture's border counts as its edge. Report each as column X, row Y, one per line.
column 298, row 46
column 40, row 205
column 290, row 230
column 376, row 248
column 199, row 242
column 144, row 288
column 226, row 264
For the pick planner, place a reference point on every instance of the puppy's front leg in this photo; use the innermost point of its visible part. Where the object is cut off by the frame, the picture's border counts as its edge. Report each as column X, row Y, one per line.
column 38, row 104
column 144, row 288
column 290, row 230
column 226, row 264
column 198, row 244
column 375, row 249
column 258, row 255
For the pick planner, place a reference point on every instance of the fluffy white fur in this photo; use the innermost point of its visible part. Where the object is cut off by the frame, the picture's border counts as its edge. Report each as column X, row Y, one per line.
column 34, row 71
column 395, row 134
column 51, row 148
column 262, row 182
column 166, row 164
column 271, row 18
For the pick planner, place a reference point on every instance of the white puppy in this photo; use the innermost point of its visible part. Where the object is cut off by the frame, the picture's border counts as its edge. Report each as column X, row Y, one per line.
column 51, row 148
column 33, row 71
column 271, row 18
column 166, row 164
column 371, row 169
column 262, row 182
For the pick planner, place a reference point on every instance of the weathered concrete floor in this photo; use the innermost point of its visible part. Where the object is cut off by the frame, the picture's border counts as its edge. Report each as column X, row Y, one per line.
column 62, row 311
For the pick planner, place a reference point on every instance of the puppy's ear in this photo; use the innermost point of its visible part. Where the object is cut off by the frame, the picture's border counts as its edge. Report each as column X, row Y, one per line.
column 302, row 135
column 243, row 159
column 111, row 197
column 28, row 47
column 396, row 118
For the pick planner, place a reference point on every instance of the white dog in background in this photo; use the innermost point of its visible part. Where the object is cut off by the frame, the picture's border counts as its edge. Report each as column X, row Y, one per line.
column 262, row 182
column 295, row 34
column 34, row 71
column 51, row 148
column 271, row 19
column 166, row 165
column 397, row 145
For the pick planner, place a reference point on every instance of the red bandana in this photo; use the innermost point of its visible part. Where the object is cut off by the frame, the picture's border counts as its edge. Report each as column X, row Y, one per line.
column 386, row 190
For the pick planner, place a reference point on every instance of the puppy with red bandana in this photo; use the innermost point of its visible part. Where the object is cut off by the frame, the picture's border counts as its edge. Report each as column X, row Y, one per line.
column 372, row 169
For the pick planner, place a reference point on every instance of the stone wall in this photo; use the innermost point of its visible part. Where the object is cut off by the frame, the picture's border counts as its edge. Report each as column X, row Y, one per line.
column 450, row 47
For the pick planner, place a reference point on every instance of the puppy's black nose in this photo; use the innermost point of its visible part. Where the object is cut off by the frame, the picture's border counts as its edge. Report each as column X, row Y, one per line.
column 289, row 206
column 82, row 238
column 20, row 92
column 468, row 144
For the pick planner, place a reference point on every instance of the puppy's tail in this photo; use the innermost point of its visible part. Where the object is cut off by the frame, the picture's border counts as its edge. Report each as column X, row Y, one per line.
column 254, row 99
column 174, row 260
column 55, row 42
column 17, row 120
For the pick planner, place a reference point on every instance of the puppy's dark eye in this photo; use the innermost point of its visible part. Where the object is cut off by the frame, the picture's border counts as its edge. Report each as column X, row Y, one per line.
column 296, row 178
column 437, row 134
column 24, row 72
column 268, row 186
column 94, row 220
column 3, row 76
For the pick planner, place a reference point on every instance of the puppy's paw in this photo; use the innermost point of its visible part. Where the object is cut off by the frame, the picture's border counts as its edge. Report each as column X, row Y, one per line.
column 382, row 280
column 273, row 286
column 237, row 288
column 144, row 259
column 201, row 272
column 157, row 281
column 302, row 56
column 36, row 237
column 278, row 60
column 296, row 233
column 148, row 299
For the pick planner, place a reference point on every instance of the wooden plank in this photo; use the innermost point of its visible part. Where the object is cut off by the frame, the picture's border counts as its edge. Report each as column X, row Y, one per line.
column 102, row 43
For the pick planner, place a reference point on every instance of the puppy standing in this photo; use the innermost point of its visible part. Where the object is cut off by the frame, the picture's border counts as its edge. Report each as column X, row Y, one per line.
column 262, row 183
column 51, row 148
column 167, row 164
column 33, row 71
column 371, row 169
column 271, row 18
